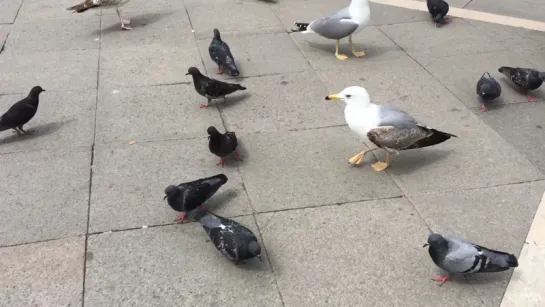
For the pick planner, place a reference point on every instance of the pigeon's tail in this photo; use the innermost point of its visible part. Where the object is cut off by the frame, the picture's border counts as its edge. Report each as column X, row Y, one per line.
column 499, row 261
column 301, row 26
column 255, row 249
column 238, row 86
column 542, row 76
column 437, row 137
column 222, row 178
column 234, row 69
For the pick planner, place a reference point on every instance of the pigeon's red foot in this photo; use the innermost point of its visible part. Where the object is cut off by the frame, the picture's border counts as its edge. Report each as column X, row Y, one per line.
column 222, row 162
column 531, row 99
column 484, row 108
column 180, row 218
column 204, row 106
column 238, row 156
column 220, row 71
column 442, row 279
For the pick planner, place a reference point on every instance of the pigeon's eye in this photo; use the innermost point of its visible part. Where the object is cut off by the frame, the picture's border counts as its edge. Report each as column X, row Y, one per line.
column 348, row 96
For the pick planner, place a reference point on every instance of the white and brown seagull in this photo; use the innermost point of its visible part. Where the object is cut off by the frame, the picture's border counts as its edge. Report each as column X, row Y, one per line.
column 91, row 4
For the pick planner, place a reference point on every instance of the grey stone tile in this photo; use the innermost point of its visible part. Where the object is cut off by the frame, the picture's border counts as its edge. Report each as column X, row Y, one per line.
column 132, row 114
column 498, row 218
column 129, row 182
column 385, row 14
column 63, row 120
column 69, row 34
column 308, row 168
column 521, row 125
column 55, row 71
column 259, row 55
column 527, row 9
column 461, row 73
column 360, row 257
column 512, row 37
column 244, row 17
column 44, row 195
column 534, row 56
column 8, row 10
column 41, row 10
column 423, row 41
column 479, row 157
column 150, row 65
column 137, row 6
column 320, row 52
column 173, row 266
column 166, row 27
column 282, row 102
column 43, row 274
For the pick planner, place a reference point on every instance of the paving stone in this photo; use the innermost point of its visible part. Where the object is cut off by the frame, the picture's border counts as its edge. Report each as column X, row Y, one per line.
column 132, row 114
column 512, row 37
column 55, row 206
column 43, row 274
column 153, row 64
column 497, row 218
column 479, row 157
column 238, row 16
column 41, row 10
column 308, row 168
column 360, row 256
column 55, row 71
column 527, row 9
column 8, row 10
column 137, row 6
column 424, row 42
column 69, row 33
column 281, row 102
column 265, row 54
column 129, row 182
column 64, row 120
column 385, row 14
column 173, row 266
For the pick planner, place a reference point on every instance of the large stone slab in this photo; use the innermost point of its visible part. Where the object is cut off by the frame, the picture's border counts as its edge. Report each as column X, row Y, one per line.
column 424, row 42
column 151, row 113
column 55, row 71
column 44, row 195
column 129, row 182
column 69, row 34
column 308, row 168
column 524, row 130
column 153, row 64
column 8, row 10
column 282, row 102
column 364, row 252
column 528, row 9
column 498, row 218
column 43, row 274
column 173, row 266
column 479, row 157
column 265, row 54
column 64, row 120
column 239, row 16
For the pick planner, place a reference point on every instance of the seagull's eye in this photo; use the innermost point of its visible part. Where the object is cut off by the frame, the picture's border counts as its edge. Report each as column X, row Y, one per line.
column 348, row 96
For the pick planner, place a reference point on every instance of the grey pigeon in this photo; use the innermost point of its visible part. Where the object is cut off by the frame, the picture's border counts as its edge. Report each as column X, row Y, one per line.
column 211, row 88
column 91, row 4
column 189, row 196
column 222, row 145
column 438, row 10
column 21, row 112
column 233, row 240
column 221, row 54
column 488, row 89
column 526, row 79
column 456, row 256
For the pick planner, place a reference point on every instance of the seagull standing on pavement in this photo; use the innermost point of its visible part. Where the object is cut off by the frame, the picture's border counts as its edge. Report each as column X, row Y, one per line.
column 91, row 4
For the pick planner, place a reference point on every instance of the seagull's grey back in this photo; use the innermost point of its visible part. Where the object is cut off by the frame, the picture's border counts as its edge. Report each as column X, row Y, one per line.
column 392, row 116
column 331, row 26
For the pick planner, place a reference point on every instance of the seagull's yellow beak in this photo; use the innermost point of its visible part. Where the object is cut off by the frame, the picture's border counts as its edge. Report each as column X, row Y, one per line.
column 333, row 97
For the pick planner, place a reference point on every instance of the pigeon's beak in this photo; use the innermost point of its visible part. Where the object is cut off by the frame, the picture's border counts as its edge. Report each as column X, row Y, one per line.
column 333, row 97
column 165, row 197
column 426, row 244
column 43, row 90
column 187, row 74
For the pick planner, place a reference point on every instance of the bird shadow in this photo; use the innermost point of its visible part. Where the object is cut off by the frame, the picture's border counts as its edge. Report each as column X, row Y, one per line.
column 218, row 201
column 232, row 100
column 136, row 22
column 370, row 51
column 39, row 131
column 409, row 163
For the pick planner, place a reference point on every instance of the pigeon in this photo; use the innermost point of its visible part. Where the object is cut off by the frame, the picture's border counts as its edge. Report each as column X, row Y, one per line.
column 458, row 256
column 438, row 10
column 91, row 4
column 189, row 196
column 233, row 240
column 488, row 89
column 526, row 79
column 222, row 145
column 211, row 88
column 21, row 112
column 221, row 54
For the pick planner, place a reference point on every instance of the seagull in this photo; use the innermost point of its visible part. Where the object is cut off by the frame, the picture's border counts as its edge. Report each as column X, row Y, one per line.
column 385, row 126
column 346, row 22
column 90, row 4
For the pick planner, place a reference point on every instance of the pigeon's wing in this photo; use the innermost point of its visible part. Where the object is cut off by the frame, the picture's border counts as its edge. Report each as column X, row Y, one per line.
column 335, row 26
column 215, row 52
column 216, row 88
column 519, row 77
column 228, row 59
column 480, row 83
column 233, row 139
column 18, row 114
column 496, row 261
column 462, row 257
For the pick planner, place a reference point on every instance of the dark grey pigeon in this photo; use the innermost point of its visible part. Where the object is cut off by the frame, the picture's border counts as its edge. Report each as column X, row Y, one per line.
column 221, row 54
column 438, row 10
column 21, row 112
column 233, row 240
column 525, row 79
column 456, row 256
column 189, row 196
column 488, row 89
column 222, row 145
column 211, row 88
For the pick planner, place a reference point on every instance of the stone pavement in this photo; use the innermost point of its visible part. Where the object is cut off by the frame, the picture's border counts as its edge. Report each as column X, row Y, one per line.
column 76, row 194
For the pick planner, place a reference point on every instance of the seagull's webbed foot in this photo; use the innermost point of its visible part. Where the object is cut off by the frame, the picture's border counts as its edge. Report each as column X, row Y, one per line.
column 356, row 53
column 358, row 159
column 180, row 218
column 380, row 166
column 339, row 56
column 441, row 279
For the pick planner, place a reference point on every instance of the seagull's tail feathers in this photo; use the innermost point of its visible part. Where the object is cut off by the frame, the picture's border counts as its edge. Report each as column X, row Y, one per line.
column 80, row 8
column 436, row 137
column 302, row 27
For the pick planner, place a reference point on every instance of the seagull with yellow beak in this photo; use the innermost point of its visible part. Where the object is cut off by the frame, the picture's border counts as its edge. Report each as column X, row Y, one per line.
column 385, row 126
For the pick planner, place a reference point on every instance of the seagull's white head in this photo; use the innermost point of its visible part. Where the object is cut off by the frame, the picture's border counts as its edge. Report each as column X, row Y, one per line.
column 353, row 96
